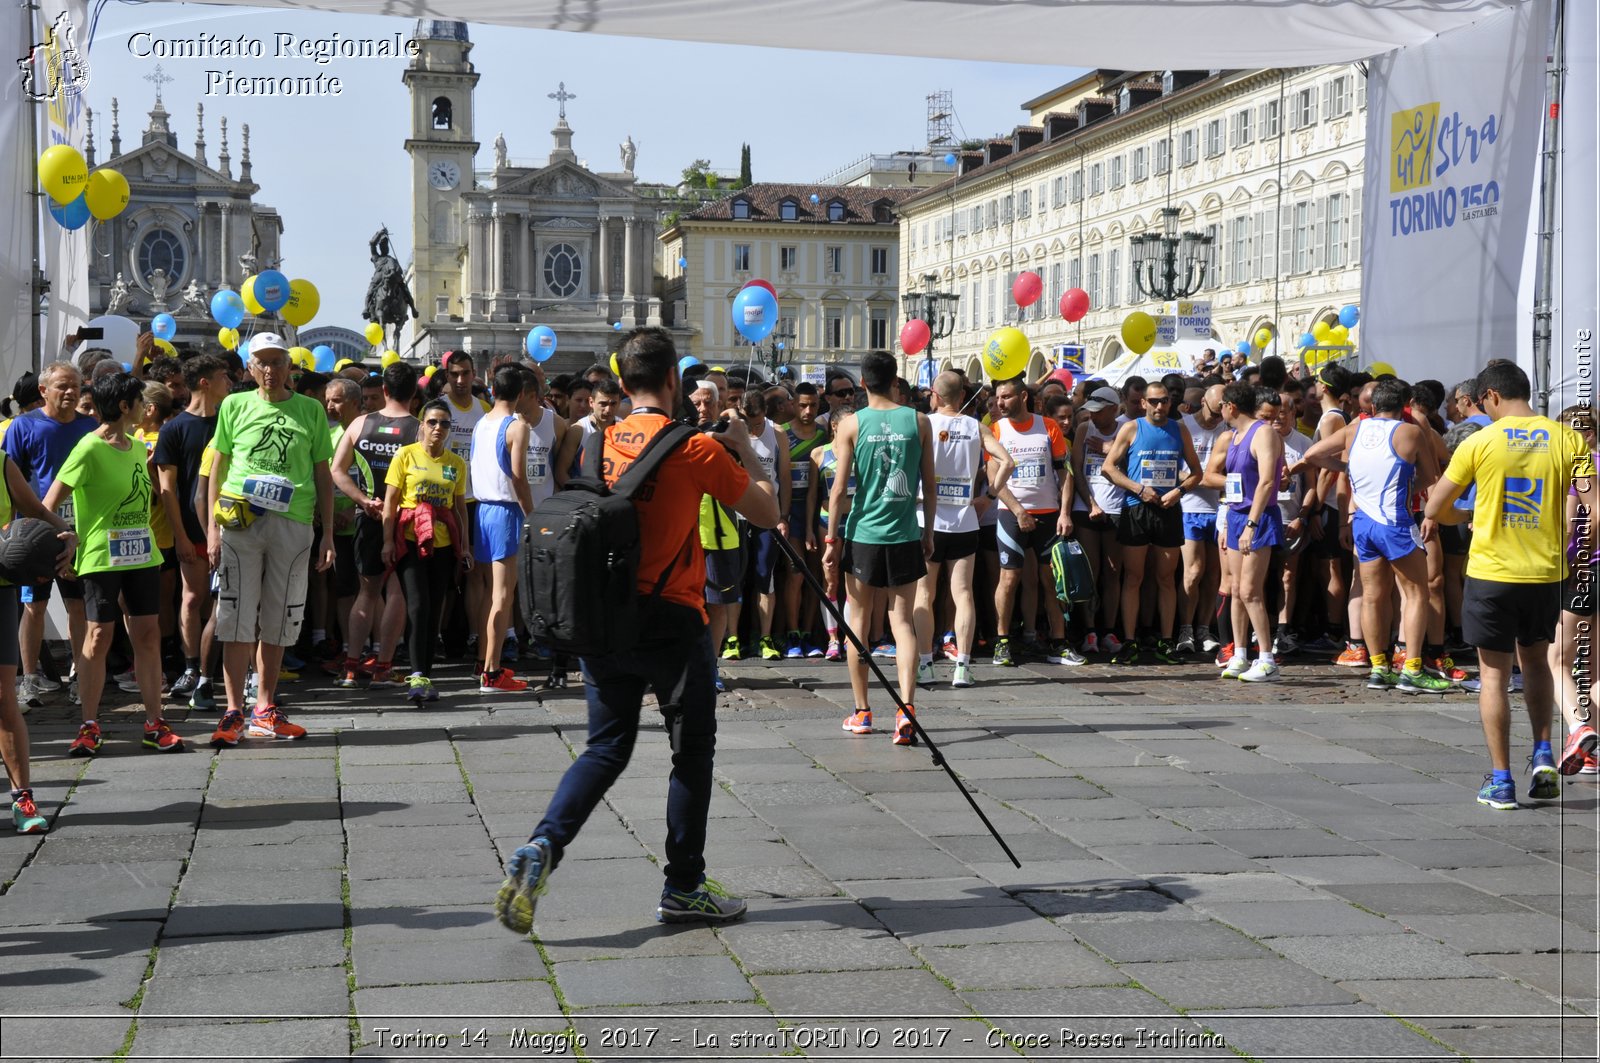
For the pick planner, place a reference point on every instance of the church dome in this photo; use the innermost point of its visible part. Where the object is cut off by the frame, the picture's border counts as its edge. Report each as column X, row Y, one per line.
column 431, row 29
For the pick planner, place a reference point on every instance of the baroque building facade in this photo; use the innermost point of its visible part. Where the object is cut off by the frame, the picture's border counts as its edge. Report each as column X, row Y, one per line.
column 1266, row 162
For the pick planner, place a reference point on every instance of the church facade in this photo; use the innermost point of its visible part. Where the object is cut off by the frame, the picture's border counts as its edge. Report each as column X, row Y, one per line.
column 496, row 251
column 191, row 227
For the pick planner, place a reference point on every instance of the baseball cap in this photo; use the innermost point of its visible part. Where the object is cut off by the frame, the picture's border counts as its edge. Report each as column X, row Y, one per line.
column 1100, row 398
column 26, row 393
column 268, row 341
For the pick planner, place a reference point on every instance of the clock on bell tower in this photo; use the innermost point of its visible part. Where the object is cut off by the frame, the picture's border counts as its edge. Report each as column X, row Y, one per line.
column 440, row 79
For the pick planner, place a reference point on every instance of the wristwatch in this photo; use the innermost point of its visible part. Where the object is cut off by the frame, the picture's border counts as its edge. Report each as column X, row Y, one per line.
column 1252, row 524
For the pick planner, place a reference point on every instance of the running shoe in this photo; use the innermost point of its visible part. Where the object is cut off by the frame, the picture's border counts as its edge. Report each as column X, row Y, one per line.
column 708, row 903
column 1501, row 795
column 925, row 674
column 1207, row 641
column 1235, row 668
column 792, row 649
column 1002, row 654
column 718, row 682
column 416, row 688
column 1353, row 657
column 1546, row 782
column 1091, row 644
column 769, row 649
column 1164, row 652
column 271, row 723
column 158, row 736
column 1061, row 652
column 1578, row 750
column 185, row 685
column 1261, row 672
column 72, row 692
column 292, row 663
column 949, row 647
column 510, row 649
column 835, row 651
column 43, row 683
column 430, row 692
column 126, row 682
column 1320, row 645
column 288, row 675
column 1591, row 765
column 350, row 678
column 1185, row 643
column 811, row 648
column 229, row 730
column 504, row 681
column 1284, row 642
column 1423, row 683
column 962, row 677
column 383, row 677
column 88, row 742
column 526, row 875
column 904, row 732
column 29, row 694
column 1397, row 660
column 1110, row 643
column 730, row 648
column 884, row 650
column 1445, row 668
column 1031, row 646
column 1127, row 654
column 859, row 722
column 1382, row 679
column 25, row 814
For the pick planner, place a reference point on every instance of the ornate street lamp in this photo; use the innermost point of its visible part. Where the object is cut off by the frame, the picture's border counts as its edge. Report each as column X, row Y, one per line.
column 778, row 349
column 1168, row 265
column 936, row 308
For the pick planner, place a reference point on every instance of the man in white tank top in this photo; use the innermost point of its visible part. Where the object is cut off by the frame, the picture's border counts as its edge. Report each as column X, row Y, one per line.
column 498, row 468
column 466, row 410
column 1202, row 566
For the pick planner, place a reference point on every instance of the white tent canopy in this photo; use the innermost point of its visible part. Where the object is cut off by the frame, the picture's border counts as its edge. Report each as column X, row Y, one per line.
column 1125, row 34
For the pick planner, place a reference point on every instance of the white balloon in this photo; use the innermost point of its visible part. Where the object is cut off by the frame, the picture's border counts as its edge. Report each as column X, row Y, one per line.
column 121, row 338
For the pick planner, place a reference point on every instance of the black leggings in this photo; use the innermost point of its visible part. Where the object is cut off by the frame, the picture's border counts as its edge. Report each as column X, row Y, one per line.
column 425, row 582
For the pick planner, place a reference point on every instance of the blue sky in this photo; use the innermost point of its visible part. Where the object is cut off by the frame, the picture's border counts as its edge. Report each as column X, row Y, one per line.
column 335, row 166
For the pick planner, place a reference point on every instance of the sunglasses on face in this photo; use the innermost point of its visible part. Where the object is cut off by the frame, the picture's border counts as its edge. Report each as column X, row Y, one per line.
column 1158, row 401
column 841, row 394
column 437, row 424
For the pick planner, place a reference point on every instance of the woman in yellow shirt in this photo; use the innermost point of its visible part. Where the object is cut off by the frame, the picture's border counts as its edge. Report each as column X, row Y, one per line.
column 427, row 485
column 157, row 408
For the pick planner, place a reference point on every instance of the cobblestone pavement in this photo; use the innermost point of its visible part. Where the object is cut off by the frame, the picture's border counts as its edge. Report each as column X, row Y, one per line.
column 1209, row 870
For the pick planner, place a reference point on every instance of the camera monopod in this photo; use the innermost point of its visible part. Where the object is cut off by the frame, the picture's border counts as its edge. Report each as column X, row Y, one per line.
column 916, row 725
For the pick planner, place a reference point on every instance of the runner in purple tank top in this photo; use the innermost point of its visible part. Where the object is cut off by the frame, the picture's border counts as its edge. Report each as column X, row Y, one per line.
column 1248, row 474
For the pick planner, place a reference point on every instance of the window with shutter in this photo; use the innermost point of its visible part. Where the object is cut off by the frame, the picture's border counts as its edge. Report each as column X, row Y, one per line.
column 1055, row 284
column 1213, row 257
column 1285, row 240
column 1213, row 138
column 1361, row 92
column 1333, row 233
column 1075, row 186
column 1140, row 164
column 1163, row 150
column 1264, row 240
column 1319, row 210
column 1094, row 280
column 1302, row 237
column 991, row 303
column 1116, row 171
column 1097, row 182
column 1354, row 257
column 1113, row 277
column 1075, row 274
column 1024, row 204
column 1268, row 119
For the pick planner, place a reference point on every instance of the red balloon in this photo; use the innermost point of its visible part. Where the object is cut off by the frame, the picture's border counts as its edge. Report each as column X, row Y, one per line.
column 1027, row 288
column 914, row 336
column 1074, row 304
column 759, row 283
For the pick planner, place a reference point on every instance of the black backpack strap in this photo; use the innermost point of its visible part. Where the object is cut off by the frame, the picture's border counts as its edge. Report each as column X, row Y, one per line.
column 661, row 445
column 592, row 457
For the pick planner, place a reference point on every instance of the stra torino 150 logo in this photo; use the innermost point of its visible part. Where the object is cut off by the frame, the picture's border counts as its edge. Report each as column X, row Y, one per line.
column 54, row 68
column 1425, row 145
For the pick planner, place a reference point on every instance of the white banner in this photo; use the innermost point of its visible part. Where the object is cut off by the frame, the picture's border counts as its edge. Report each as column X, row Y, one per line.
column 65, row 24
column 1453, row 129
column 1572, row 361
column 16, row 208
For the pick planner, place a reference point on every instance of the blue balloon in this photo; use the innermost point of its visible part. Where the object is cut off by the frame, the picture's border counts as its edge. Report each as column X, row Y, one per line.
column 163, row 327
column 324, row 358
column 1243, row 347
column 755, row 313
column 687, row 362
column 243, row 350
column 127, row 367
column 227, row 309
column 683, row 263
column 616, row 326
column 780, row 345
column 272, row 290
column 950, row 159
column 1350, row 316
column 1308, row 340
column 815, row 198
column 74, row 215
column 541, row 342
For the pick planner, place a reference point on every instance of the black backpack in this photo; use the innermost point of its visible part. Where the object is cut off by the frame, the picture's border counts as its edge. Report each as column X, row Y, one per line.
column 580, row 555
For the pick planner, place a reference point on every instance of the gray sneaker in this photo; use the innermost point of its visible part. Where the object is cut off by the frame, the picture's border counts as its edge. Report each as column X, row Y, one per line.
column 44, row 684
column 1062, row 653
column 72, row 692
column 708, row 904
column 29, row 696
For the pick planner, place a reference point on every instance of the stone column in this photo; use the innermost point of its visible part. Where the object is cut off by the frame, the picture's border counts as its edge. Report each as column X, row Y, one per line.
column 497, row 263
column 524, row 284
column 630, row 272
column 602, row 281
column 226, row 244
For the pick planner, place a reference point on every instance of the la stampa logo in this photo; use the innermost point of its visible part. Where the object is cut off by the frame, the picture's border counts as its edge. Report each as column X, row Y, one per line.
column 54, row 68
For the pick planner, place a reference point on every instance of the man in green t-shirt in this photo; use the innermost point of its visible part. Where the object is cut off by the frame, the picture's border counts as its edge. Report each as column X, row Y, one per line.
column 271, row 476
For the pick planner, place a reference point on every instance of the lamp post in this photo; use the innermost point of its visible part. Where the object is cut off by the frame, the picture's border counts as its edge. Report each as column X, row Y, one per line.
column 1170, row 265
column 778, row 349
column 936, row 308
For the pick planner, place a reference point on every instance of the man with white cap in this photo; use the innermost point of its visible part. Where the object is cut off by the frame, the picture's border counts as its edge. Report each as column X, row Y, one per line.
column 270, row 478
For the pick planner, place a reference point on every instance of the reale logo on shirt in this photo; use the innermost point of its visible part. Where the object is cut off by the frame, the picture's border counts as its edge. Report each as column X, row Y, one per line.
column 1524, row 499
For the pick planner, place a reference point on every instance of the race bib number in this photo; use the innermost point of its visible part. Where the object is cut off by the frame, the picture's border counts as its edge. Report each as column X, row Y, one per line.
column 1233, row 490
column 129, row 547
column 67, row 511
column 273, row 493
column 1028, row 473
column 800, row 475
column 538, row 470
column 1160, row 473
column 1094, row 464
column 955, row 492
column 1286, row 493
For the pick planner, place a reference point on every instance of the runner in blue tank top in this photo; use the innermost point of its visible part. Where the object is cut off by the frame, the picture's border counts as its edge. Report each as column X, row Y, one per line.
column 1250, row 469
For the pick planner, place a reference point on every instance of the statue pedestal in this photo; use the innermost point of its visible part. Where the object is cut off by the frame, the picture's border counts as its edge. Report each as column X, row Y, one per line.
column 654, row 316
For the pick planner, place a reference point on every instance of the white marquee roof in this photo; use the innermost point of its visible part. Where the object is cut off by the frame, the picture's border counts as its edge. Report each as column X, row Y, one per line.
column 1119, row 34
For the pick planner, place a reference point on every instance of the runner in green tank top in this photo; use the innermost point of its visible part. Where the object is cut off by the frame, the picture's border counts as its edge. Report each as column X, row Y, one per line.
column 889, row 450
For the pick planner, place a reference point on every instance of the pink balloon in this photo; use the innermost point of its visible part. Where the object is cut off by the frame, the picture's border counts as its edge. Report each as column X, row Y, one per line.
column 1074, row 304
column 1027, row 288
column 914, row 336
column 759, row 283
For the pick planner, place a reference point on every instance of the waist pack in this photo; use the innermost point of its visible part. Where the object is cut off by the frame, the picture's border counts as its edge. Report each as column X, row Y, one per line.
column 233, row 512
column 1074, row 579
column 580, row 556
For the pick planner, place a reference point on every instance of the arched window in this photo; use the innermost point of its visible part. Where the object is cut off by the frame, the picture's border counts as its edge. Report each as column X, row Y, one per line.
column 563, row 270
column 163, row 250
column 443, row 113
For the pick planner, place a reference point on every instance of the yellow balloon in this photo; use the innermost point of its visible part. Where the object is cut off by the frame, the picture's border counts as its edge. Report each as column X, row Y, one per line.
column 1138, row 332
column 301, row 356
column 1321, row 331
column 428, row 372
column 388, row 359
column 1339, row 336
column 1263, row 337
column 63, row 173
column 247, row 292
column 374, row 333
column 228, row 337
column 303, row 304
column 166, row 348
column 616, row 372
column 342, row 364
column 106, row 194
column 1005, row 356
column 1378, row 369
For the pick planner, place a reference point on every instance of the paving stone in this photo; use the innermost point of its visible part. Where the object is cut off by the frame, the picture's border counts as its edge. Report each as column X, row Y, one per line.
column 213, row 886
column 1558, row 975
column 1193, row 984
column 1106, row 1023
column 41, row 987
column 248, row 953
column 372, row 925
column 1020, row 965
column 1441, row 899
column 1203, row 888
column 1157, row 859
column 1533, row 1041
column 1159, row 940
column 1437, row 1003
column 260, row 917
column 822, row 950
column 668, row 980
column 932, row 925
column 909, row 992
column 1503, row 932
column 1069, row 907
column 918, row 893
column 1284, row 843
column 445, row 960
column 1147, row 831
column 1315, row 918
column 69, row 1032
column 1349, row 870
column 1358, row 1031
column 391, row 892
column 1351, row 956
column 285, row 1039
column 680, row 1032
column 1420, row 852
column 1234, row 817
column 249, row 996
column 72, row 849
column 472, row 1004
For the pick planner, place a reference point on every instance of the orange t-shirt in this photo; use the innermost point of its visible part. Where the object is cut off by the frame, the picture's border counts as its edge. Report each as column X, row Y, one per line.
column 669, row 508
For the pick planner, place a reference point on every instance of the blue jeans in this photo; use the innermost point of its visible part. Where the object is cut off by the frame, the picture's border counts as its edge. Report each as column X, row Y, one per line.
column 674, row 660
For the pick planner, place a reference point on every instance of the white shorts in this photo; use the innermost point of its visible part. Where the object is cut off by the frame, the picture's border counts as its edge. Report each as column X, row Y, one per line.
column 262, row 581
